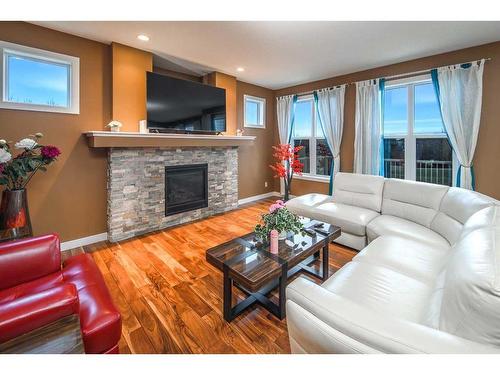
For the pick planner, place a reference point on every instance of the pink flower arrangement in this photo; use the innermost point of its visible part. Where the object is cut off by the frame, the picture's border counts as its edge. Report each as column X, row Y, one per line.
column 276, row 206
column 279, row 219
column 50, row 152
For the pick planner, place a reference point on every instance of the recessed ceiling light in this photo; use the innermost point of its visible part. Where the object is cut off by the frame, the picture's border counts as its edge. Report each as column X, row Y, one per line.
column 240, row 69
column 143, row 37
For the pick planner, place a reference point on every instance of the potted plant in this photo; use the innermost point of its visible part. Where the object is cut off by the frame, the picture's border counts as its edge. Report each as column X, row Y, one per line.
column 287, row 163
column 15, row 173
column 114, row 126
column 280, row 219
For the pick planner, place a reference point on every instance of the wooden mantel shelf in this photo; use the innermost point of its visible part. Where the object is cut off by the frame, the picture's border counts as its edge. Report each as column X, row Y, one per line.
column 133, row 139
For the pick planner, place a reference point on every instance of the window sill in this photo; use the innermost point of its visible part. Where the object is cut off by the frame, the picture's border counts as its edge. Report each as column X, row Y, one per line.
column 75, row 110
column 308, row 177
column 254, row 126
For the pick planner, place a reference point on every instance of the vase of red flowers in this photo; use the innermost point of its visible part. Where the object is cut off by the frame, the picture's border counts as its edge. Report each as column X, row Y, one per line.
column 286, row 165
column 15, row 173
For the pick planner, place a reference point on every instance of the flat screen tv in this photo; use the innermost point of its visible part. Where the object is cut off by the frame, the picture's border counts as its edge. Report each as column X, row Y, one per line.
column 181, row 106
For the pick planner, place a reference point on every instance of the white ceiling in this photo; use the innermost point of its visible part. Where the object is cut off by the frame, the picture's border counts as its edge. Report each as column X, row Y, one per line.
column 282, row 54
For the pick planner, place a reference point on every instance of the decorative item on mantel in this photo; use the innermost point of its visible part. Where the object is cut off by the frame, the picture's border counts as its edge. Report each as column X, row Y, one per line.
column 114, row 126
column 287, row 163
column 239, row 132
column 143, row 127
column 15, row 173
column 280, row 219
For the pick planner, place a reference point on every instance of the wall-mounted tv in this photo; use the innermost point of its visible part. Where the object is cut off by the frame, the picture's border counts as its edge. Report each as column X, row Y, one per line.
column 180, row 106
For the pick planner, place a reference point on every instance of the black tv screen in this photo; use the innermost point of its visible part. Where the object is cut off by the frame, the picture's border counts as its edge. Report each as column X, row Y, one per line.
column 180, row 106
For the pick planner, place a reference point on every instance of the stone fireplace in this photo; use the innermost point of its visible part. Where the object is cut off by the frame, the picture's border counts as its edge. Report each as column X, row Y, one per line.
column 145, row 187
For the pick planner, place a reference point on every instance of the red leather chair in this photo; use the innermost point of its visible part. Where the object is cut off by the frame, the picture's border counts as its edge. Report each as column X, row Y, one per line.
column 35, row 290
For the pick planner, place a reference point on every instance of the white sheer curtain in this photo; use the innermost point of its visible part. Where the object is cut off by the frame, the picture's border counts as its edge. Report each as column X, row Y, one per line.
column 460, row 97
column 284, row 109
column 285, row 114
column 367, row 128
column 330, row 106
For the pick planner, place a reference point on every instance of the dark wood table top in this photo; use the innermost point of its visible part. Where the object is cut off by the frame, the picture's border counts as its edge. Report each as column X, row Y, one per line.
column 61, row 337
column 252, row 264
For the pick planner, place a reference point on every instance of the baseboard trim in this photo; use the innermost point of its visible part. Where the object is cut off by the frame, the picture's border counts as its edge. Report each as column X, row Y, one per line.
column 258, row 197
column 68, row 245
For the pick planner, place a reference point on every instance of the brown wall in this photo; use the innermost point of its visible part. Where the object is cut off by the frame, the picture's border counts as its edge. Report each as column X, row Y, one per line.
column 228, row 83
column 129, row 85
column 70, row 198
column 486, row 160
column 254, row 160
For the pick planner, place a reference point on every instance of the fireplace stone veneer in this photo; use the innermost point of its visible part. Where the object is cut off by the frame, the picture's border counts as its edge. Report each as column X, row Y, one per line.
column 136, row 187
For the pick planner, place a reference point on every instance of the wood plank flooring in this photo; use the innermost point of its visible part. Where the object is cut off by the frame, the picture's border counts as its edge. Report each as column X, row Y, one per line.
column 170, row 298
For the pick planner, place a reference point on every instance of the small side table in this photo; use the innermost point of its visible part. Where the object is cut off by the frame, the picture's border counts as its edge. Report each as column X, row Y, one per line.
column 61, row 337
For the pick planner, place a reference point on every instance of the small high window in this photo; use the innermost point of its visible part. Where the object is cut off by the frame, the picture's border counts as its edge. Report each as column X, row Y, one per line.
column 38, row 80
column 255, row 112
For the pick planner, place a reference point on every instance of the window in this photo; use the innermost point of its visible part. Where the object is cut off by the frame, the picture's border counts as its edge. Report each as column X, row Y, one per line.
column 37, row 80
column 415, row 142
column 307, row 132
column 255, row 112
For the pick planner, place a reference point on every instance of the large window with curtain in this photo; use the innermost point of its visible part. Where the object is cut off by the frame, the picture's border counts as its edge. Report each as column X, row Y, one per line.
column 415, row 143
column 307, row 132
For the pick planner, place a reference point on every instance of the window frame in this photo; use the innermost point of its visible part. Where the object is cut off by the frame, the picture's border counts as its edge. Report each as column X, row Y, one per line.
column 73, row 63
column 311, row 176
column 261, row 111
column 410, row 137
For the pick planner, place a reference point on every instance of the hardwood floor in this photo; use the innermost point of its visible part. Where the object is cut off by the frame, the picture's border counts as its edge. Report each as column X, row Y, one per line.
column 170, row 298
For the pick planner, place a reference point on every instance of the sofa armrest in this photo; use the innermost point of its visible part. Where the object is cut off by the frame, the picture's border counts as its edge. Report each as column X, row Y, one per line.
column 36, row 310
column 28, row 259
column 322, row 321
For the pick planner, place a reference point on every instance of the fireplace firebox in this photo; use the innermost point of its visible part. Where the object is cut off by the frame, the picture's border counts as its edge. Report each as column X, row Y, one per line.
column 186, row 188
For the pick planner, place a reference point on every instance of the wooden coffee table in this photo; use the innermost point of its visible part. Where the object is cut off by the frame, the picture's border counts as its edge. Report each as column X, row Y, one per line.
column 250, row 266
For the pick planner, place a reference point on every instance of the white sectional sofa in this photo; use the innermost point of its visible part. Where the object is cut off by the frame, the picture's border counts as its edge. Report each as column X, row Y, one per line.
column 427, row 278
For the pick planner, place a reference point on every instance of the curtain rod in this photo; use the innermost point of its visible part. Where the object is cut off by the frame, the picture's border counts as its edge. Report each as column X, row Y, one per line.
column 324, row 88
column 402, row 75
column 427, row 70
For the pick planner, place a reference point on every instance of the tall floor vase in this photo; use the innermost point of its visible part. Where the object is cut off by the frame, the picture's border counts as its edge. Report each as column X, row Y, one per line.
column 14, row 215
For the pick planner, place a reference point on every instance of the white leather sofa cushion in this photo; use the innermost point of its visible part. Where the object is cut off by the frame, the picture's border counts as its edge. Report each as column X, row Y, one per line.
column 456, row 207
column 320, row 321
column 414, row 201
column 471, row 297
column 485, row 218
column 381, row 289
column 350, row 219
column 415, row 259
column 358, row 190
column 392, row 225
column 351, row 240
column 305, row 204
column 434, row 306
